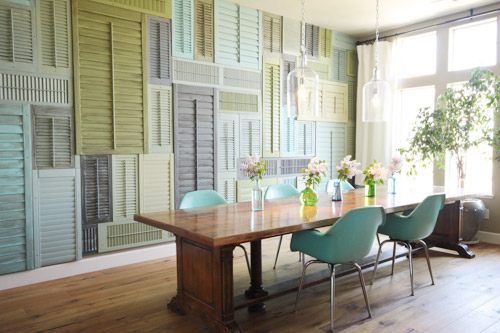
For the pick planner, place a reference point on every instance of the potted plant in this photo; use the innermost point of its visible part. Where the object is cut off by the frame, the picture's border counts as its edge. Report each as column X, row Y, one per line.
column 462, row 119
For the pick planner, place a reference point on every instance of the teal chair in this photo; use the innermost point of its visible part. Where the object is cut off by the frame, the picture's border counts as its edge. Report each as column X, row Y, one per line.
column 276, row 192
column 204, row 198
column 348, row 240
column 411, row 228
column 346, row 186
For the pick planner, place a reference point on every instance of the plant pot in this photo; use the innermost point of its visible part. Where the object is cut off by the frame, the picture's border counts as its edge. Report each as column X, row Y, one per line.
column 370, row 190
column 308, row 197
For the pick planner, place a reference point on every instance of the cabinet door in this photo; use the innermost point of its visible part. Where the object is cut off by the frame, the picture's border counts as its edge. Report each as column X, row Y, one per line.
column 330, row 146
column 125, row 187
column 250, row 133
column 204, row 30
column 306, row 138
column 157, row 182
column 271, row 95
column 57, row 216
column 54, row 36
column 271, row 27
column 195, row 139
column 52, row 137
column 312, row 40
column 228, row 141
column 182, row 28
column 16, row 227
column 159, row 51
column 111, row 113
column 17, row 37
column 325, row 43
column 339, row 60
column 291, row 36
column 160, row 119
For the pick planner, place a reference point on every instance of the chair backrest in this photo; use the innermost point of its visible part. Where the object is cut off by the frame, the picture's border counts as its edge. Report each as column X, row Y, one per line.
column 351, row 237
column 422, row 220
column 281, row 191
column 345, row 185
column 201, row 198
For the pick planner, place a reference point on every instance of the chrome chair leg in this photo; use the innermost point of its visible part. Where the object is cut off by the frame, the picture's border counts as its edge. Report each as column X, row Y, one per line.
column 363, row 286
column 302, row 281
column 393, row 257
column 332, row 293
column 246, row 258
column 410, row 263
column 378, row 239
column 426, row 249
column 278, row 252
column 378, row 257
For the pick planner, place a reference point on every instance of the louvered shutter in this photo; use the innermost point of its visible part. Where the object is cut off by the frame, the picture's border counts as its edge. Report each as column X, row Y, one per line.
column 271, row 107
column 159, row 50
column 339, row 58
column 238, row 102
column 52, row 137
column 125, row 187
column 182, row 29
column 306, row 138
column 109, row 79
column 195, row 139
column 228, row 141
column 289, row 135
column 244, row 188
column 54, row 36
column 351, row 139
column 289, row 180
column 271, row 28
column 352, row 64
column 291, row 36
column 160, row 119
column 16, row 233
column 352, row 89
column 153, row 7
column 325, row 43
column 241, row 78
column 227, row 186
column 204, row 30
column 57, row 216
column 289, row 64
column 322, row 68
column 250, row 133
column 333, row 101
column 157, row 182
column 17, row 37
column 330, row 146
column 312, row 40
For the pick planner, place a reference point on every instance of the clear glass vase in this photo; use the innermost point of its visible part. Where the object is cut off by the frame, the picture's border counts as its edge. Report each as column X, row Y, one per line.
column 308, row 197
column 257, row 197
column 370, row 190
column 391, row 185
column 337, row 191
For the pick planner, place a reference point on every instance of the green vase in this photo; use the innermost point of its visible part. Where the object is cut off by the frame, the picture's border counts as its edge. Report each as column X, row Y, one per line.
column 308, row 197
column 370, row 190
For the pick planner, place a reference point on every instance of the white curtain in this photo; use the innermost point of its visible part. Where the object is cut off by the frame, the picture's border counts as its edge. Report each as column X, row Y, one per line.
column 374, row 140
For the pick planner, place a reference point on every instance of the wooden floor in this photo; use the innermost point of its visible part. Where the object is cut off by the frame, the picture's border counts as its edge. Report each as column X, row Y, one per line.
column 466, row 298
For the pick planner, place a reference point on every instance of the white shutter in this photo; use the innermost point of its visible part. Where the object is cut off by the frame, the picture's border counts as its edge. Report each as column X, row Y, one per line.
column 289, row 135
column 250, row 133
column 182, row 28
column 330, row 146
column 271, row 27
column 291, row 36
column 228, row 140
column 157, row 182
column 160, row 119
column 125, row 187
column 227, row 186
column 334, row 102
column 271, row 107
column 306, row 138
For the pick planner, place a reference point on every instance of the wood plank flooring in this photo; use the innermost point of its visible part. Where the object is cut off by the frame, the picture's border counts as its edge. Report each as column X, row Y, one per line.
column 466, row 298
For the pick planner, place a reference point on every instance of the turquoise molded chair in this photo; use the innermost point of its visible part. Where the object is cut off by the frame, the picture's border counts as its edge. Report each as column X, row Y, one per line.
column 276, row 192
column 346, row 186
column 348, row 240
column 204, row 198
column 414, row 227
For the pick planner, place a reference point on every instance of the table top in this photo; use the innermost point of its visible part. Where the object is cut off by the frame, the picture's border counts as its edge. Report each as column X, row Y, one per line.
column 236, row 223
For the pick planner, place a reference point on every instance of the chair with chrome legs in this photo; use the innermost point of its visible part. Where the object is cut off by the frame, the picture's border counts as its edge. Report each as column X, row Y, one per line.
column 276, row 192
column 411, row 228
column 205, row 198
column 348, row 240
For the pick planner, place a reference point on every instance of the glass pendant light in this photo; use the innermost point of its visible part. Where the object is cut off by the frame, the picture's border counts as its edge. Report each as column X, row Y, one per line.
column 376, row 93
column 302, row 83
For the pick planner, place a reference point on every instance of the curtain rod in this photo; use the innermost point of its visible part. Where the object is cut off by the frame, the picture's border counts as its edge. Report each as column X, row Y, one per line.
column 470, row 16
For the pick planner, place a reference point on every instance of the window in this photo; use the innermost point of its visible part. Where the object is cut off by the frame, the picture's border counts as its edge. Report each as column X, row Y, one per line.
column 418, row 55
column 473, row 45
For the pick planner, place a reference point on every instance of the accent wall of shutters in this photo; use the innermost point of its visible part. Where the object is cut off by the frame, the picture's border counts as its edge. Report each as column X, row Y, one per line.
column 312, row 40
column 156, row 174
column 110, row 89
column 334, row 102
column 288, row 135
column 238, row 33
column 244, row 188
column 339, row 58
column 160, row 8
column 159, row 51
column 57, row 216
column 195, row 145
column 330, row 146
column 16, row 224
column 227, row 186
column 250, row 132
column 17, row 37
column 322, row 68
column 306, row 138
column 228, row 138
column 271, row 27
column 182, row 29
column 271, row 94
column 204, row 30
column 325, row 43
column 125, row 187
column 52, row 137
column 54, row 36
column 160, row 119
column 238, row 102
column 291, row 36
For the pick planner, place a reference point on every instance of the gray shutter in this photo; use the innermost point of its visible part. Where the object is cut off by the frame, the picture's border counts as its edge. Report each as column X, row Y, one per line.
column 312, row 40
column 289, row 64
column 52, row 137
column 159, row 50
column 195, row 125
column 204, row 30
column 339, row 65
column 271, row 28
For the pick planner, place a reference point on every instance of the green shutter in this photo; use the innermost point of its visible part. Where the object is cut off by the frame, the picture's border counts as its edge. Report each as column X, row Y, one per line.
column 160, row 119
column 325, row 43
column 182, row 28
column 161, row 8
column 204, row 30
column 271, row 27
column 352, row 63
column 125, row 187
column 271, row 95
column 239, row 102
column 156, row 174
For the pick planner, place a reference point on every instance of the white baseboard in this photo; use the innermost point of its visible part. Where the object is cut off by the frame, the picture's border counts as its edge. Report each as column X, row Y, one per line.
column 488, row 237
column 88, row 265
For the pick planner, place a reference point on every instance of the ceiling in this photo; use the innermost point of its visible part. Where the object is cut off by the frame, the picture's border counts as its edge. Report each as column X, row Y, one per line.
column 357, row 17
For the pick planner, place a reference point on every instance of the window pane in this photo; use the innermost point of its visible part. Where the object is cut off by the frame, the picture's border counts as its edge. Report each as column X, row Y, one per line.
column 473, row 45
column 418, row 55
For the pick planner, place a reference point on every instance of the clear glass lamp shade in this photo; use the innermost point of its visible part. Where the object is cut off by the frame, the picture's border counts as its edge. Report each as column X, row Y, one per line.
column 302, row 93
column 376, row 101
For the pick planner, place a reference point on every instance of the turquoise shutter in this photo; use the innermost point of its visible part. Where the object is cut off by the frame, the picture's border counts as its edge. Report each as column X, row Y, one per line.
column 289, row 135
column 271, row 110
column 16, row 227
column 182, row 29
column 306, row 138
column 57, row 216
column 228, row 141
column 339, row 59
column 330, row 146
column 351, row 139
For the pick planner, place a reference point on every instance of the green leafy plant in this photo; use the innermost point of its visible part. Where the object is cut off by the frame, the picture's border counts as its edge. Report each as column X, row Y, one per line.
column 314, row 170
column 375, row 173
column 462, row 119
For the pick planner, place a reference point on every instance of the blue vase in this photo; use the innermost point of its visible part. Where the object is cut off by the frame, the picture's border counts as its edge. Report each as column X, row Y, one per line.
column 391, row 185
column 337, row 191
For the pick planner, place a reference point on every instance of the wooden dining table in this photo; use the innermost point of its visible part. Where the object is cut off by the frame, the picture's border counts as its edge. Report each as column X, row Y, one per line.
column 207, row 236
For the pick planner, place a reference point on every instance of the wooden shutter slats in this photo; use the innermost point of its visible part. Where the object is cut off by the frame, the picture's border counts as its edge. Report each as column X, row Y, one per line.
column 160, row 119
column 325, row 43
column 203, row 30
column 289, row 136
column 182, row 28
column 331, row 146
column 271, row 27
column 306, row 138
column 271, row 107
column 228, row 141
column 339, row 58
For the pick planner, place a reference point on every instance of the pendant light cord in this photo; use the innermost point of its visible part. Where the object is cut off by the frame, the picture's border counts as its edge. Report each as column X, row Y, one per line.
column 376, row 40
column 303, row 41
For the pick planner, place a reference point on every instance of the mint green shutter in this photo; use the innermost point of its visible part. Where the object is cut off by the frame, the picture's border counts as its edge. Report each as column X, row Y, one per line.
column 271, row 110
column 339, row 60
column 289, row 135
column 182, row 29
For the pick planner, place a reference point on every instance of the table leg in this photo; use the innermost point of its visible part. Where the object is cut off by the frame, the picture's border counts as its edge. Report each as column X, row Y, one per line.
column 256, row 289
